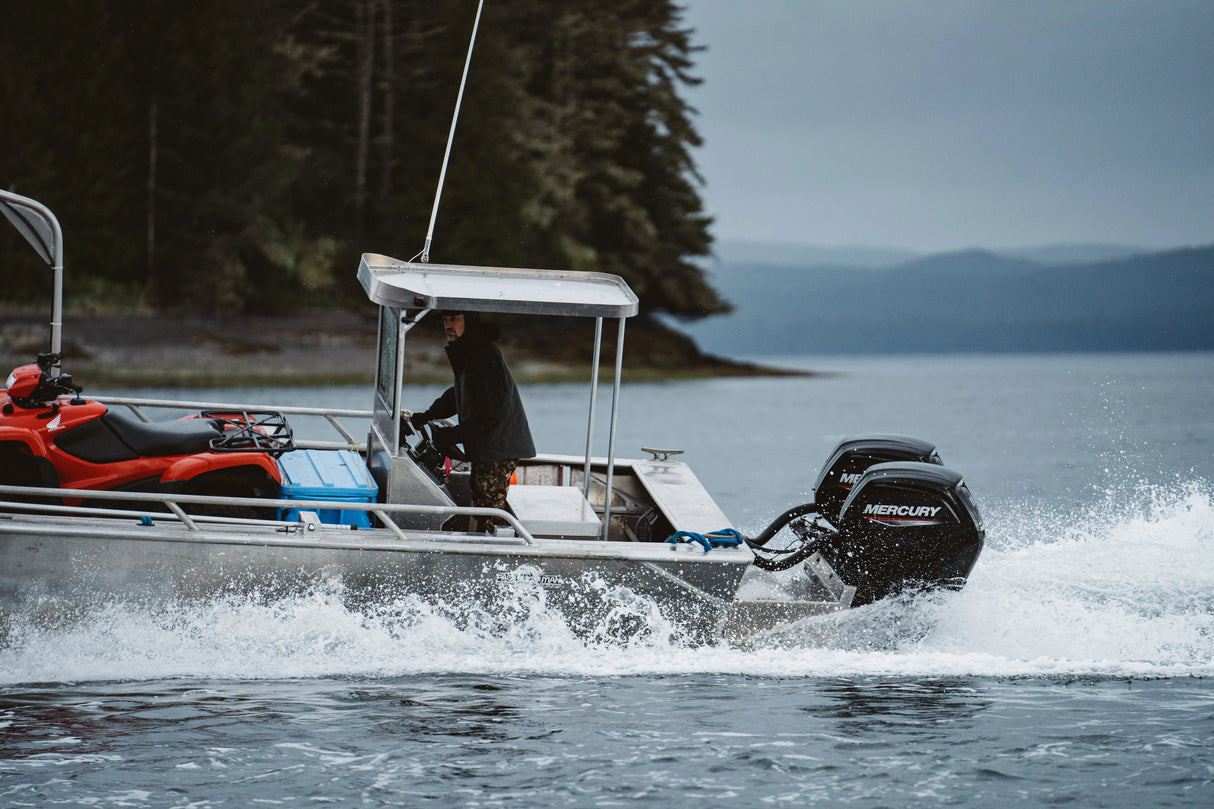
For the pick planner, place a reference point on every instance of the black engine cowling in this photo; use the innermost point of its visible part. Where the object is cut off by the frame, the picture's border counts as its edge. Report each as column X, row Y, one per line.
column 905, row 524
column 847, row 464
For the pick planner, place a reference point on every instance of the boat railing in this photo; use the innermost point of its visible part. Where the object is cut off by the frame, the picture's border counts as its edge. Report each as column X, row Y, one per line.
column 332, row 415
column 194, row 522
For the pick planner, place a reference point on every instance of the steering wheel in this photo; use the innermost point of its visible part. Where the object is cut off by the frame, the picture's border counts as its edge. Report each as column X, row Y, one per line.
column 427, row 447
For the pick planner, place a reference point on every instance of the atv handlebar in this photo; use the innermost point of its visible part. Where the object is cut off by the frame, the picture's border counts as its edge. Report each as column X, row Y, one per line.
column 46, row 388
column 52, row 387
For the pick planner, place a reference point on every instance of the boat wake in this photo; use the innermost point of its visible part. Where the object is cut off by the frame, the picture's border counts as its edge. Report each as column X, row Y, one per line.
column 1124, row 588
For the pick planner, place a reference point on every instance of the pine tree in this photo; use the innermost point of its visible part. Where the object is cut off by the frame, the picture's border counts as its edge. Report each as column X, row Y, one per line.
column 237, row 155
column 68, row 140
column 224, row 167
column 613, row 148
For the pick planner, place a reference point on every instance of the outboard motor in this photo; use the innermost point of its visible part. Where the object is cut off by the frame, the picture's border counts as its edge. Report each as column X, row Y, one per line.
column 847, row 464
column 887, row 515
column 905, row 524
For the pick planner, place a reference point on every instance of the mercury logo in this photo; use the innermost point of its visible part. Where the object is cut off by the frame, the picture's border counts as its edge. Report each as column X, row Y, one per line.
column 902, row 516
column 850, row 479
column 880, row 510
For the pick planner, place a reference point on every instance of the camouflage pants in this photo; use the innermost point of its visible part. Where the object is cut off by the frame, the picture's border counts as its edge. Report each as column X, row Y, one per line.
column 490, row 481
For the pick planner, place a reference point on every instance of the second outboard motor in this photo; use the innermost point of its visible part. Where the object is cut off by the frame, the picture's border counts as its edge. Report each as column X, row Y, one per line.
column 847, row 464
column 904, row 524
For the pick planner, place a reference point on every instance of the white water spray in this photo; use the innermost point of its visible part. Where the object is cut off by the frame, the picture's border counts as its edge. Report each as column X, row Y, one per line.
column 1122, row 589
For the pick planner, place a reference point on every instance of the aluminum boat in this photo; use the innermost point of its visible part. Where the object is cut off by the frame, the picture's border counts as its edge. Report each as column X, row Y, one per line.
column 109, row 497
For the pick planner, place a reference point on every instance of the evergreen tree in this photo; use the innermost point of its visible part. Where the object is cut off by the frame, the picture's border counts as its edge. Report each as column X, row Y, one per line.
column 238, row 155
column 612, row 148
column 68, row 140
column 225, row 169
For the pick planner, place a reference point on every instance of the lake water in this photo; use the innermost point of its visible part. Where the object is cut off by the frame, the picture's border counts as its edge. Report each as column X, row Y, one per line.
column 1075, row 667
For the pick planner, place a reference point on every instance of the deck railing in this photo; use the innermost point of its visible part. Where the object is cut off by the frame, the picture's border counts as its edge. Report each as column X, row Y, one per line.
column 194, row 522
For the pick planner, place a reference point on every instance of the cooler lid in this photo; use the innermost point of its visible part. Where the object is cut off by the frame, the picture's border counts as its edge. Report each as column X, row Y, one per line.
column 325, row 474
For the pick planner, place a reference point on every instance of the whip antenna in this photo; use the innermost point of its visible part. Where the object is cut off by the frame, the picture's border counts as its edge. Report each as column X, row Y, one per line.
column 425, row 254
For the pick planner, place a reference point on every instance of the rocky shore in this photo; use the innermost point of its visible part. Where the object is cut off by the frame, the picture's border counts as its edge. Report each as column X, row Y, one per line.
column 331, row 347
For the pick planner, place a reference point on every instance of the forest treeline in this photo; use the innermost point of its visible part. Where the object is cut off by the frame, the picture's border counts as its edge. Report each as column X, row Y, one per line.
column 238, row 155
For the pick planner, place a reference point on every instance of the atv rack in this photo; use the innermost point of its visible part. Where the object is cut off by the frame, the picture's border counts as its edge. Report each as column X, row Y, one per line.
column 251, row 431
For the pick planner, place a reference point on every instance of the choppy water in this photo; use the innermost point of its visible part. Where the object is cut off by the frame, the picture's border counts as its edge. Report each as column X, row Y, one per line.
column 1075, row 667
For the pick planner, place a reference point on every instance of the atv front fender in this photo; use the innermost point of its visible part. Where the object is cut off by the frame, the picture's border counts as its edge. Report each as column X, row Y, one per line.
column 189, row 468
column 30, row 440
column 20, row 465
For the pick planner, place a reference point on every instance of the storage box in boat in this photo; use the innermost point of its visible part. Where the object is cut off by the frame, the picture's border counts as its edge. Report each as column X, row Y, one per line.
column 338, row 475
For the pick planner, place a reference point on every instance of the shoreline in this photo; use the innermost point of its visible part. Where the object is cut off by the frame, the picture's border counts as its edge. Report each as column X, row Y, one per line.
column 144, row 349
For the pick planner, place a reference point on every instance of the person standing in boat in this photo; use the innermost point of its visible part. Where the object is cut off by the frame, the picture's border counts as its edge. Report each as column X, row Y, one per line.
column 492, row 423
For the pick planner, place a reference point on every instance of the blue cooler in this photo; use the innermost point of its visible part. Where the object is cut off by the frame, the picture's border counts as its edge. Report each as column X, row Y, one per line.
column 325, row 474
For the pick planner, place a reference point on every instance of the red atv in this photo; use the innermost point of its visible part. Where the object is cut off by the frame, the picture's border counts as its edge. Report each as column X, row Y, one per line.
column 51, row 437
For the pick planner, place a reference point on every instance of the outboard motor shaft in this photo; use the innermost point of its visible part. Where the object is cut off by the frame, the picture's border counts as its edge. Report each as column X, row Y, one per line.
column 905, row 524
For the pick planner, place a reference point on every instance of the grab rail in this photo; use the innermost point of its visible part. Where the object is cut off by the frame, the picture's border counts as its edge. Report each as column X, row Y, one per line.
column 191, row 521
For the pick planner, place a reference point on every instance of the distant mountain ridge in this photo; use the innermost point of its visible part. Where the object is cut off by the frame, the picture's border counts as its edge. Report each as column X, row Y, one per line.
column 967, row 301
column 737, row 251
column 1074, row 253
column 733, row 251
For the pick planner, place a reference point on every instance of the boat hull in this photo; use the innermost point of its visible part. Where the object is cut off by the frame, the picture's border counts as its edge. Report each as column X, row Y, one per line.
column 591, row 585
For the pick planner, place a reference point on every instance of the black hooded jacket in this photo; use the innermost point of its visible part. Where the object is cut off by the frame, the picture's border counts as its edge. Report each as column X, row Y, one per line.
column 492, row 423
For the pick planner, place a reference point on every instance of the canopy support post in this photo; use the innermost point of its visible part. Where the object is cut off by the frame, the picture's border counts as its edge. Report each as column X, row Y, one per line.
column 615, row 412
column 404, row 325
column 594, row 391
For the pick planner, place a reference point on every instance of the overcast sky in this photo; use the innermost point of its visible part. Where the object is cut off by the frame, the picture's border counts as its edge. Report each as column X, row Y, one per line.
column 946, row 124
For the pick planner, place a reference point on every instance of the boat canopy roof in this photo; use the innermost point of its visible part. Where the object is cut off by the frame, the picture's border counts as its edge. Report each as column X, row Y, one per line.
column 409, row 285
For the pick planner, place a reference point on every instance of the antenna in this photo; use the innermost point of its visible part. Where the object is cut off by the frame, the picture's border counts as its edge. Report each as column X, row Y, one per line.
column 442, row 176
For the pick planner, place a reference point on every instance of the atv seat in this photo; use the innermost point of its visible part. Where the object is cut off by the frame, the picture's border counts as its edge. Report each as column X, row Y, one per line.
column 158, row 439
